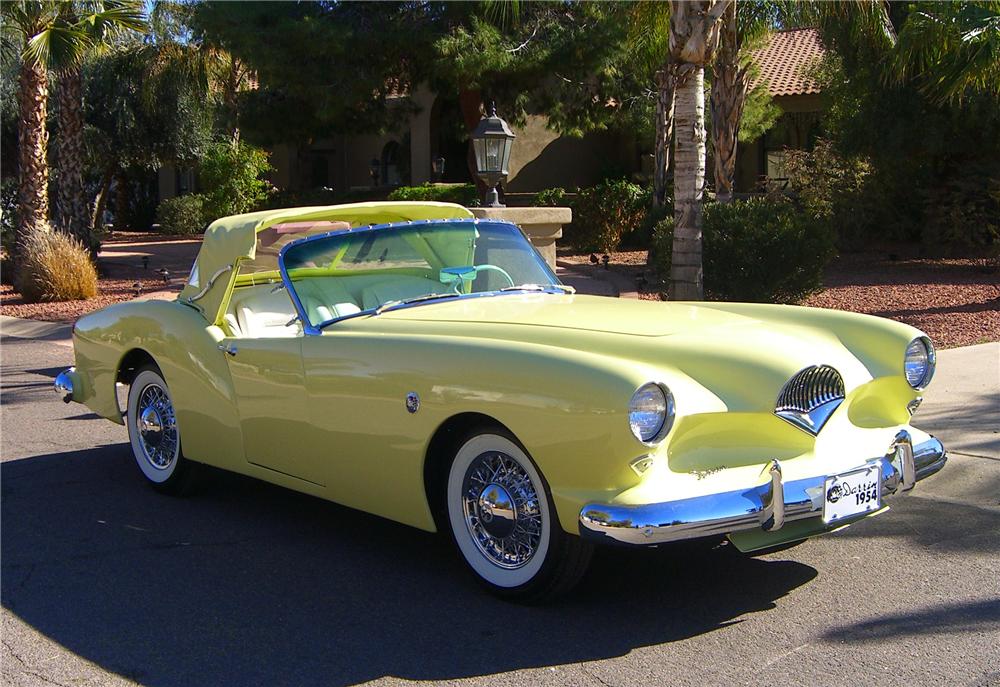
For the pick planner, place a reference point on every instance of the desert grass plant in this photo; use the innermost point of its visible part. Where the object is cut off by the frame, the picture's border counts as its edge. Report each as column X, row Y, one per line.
column 55, row 267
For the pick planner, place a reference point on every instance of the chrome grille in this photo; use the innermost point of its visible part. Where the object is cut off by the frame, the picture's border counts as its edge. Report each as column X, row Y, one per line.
column 809, row 398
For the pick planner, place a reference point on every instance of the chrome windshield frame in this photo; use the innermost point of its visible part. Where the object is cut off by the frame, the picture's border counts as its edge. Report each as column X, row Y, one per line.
column 310, row 329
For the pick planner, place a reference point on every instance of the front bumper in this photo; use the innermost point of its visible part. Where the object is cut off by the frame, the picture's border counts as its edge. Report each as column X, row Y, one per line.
column 67, row 384
column 765, row 507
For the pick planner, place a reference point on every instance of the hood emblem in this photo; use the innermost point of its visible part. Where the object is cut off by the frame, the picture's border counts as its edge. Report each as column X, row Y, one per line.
column 412, row 402
column 809, row 398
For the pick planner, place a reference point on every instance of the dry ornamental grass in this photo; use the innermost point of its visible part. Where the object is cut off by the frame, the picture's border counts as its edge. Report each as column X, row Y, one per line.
column 56, row 267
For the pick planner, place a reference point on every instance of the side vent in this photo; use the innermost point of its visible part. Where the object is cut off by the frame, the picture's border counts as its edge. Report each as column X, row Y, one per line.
column 809, row 398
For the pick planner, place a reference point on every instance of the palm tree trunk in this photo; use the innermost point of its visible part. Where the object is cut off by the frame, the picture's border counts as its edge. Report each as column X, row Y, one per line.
column 101, row 201
column 122, row 214
column 665, row 80
column 33, row 186
column 689, row 183
column 72, row 207
column 729, row 94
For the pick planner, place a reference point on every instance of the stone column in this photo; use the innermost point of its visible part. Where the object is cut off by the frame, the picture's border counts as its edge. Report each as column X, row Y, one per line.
column 542, row 225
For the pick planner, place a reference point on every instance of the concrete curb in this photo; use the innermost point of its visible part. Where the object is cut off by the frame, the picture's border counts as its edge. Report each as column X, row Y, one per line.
column 622, row 284
column 40, row 330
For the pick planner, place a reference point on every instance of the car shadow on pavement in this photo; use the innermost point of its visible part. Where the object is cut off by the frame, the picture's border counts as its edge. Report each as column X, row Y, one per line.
column 246, row 583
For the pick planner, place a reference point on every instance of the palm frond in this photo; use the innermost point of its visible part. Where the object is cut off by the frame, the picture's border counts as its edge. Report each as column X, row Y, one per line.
column 58, row 46
column 951, row 49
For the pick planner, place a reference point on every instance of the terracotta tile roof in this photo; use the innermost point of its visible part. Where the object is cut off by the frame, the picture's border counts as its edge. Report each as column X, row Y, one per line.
column 785, row 60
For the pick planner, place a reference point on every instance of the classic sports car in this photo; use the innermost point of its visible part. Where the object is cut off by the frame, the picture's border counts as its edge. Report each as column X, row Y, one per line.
column 411, row 361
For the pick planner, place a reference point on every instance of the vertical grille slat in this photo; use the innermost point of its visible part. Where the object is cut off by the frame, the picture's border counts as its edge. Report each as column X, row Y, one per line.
column 809, row 398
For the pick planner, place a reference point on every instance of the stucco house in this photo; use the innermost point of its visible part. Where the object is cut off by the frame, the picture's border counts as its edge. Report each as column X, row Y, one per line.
column 786, row 64
column 541, row 158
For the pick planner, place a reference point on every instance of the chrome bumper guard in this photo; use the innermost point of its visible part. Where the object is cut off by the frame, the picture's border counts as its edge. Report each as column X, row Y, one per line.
column 768, row 506
column 64, row 384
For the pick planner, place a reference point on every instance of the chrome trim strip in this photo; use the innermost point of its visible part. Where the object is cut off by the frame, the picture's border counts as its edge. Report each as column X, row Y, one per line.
column 211, row 281
column 745, row 509
column 64, row 384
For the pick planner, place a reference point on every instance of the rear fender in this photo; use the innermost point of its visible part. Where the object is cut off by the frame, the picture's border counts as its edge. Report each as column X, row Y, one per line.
column 185, row 348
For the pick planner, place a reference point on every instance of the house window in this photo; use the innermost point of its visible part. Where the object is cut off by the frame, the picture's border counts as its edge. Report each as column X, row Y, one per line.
column 390, row 164
column 776, row 165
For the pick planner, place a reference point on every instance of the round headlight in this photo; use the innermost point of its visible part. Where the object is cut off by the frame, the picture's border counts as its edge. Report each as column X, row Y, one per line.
column 918, row 363
column 651, row 413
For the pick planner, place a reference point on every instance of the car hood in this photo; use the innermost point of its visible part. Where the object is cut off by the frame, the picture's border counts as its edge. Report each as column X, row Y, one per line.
column 743, row 353
column 586, row 313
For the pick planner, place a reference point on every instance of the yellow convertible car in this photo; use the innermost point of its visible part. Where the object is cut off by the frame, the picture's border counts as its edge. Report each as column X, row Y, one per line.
column 411, row 361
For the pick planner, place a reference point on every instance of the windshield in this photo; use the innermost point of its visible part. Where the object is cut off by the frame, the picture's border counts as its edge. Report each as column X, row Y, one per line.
column 373, row 269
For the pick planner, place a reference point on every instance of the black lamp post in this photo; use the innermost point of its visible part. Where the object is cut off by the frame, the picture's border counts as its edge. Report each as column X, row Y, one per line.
column 492, row 141
column 437, row 167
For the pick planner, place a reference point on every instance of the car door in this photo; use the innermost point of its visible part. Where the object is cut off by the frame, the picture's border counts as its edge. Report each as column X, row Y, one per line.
column 357, row 386
column 270, row 396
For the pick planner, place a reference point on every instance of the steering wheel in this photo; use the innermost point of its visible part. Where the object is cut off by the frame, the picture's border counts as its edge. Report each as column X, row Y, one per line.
column 493, row 268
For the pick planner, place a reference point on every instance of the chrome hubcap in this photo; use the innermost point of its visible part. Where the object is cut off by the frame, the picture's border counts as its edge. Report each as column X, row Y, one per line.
column 501, row 509
column 157, row 427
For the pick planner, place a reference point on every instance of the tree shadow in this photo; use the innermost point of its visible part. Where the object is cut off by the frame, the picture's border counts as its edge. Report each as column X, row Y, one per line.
column 988, row 305
column 971, row 616
column 247, row 583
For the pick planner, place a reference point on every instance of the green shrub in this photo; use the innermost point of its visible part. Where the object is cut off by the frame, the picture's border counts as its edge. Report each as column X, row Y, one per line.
column 551, row 197
column 182, row 215
column 642, row 236
column 463, row 194
column 848, row 195
column 963, row 215
column 8, row 213
column 759, row 250
column 55, row 267
column 230, row 175
column 605, row 214
column 294, row 198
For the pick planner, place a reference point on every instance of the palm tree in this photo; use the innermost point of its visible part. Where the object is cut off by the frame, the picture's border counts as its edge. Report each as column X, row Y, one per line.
column 40, row 36
column 952, row 49
column 745, row 24
column 648, row 38
column 49, row 35
column 694, row 36
column 103, row 23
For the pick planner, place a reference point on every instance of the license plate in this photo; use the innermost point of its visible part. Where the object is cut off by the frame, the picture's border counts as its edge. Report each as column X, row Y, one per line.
column 852, row 493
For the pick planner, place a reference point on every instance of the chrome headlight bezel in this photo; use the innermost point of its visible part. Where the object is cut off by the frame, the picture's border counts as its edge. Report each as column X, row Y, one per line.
column 666, row 416
column 923, row 353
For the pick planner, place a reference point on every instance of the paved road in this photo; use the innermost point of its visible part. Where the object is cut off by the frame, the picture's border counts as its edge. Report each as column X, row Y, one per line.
column 106, row 582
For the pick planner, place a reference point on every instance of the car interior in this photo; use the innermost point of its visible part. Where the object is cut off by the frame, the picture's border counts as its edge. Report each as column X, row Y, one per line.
column 266, row 310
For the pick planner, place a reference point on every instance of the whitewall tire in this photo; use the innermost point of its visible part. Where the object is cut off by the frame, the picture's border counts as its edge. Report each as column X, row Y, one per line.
column 503, row 522
column 153, row 432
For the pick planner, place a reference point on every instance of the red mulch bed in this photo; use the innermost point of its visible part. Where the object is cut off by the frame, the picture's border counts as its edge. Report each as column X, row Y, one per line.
column 109, row 291
column 956, row 302
column 119, row 284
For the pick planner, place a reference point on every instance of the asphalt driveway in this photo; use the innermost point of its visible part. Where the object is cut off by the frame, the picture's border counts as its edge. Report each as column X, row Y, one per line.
column 105, row 581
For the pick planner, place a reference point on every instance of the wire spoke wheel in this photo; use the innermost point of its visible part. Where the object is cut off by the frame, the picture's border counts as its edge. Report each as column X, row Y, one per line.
column 153, row 432
column 503, row 522
column 501, row 510
column 156, row 425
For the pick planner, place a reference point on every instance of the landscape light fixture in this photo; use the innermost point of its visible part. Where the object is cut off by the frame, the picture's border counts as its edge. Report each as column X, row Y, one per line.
column 492, row 140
